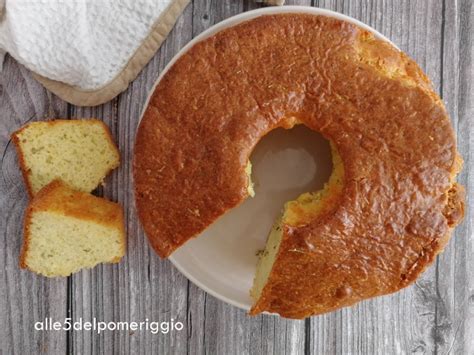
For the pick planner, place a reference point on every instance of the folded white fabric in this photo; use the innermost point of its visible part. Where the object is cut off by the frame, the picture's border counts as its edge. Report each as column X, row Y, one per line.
column 83, row 43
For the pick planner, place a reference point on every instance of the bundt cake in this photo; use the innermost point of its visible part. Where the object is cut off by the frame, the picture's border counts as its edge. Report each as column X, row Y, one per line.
column 392, row 201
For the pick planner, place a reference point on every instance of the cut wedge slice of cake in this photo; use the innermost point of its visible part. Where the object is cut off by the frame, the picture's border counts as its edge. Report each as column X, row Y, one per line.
column 79, row 152
column 67, row 230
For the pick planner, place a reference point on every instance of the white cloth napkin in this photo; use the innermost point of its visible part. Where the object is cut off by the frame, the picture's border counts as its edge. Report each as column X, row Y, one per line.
column 83, row 43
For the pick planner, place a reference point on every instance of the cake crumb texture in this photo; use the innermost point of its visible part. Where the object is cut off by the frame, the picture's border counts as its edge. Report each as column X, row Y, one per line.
column 67, row 230
column 79, row 152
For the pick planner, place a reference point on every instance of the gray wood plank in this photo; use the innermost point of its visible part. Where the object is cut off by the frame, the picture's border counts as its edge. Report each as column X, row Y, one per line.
column 25, row 298
column 403, row 322
column 142, row 286
column 226, row 329
column 221, row 328
column 91, row 292
column 454, row 318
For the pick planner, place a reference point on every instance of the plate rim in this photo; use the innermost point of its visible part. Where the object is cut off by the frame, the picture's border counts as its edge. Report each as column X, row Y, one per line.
column 230, row 22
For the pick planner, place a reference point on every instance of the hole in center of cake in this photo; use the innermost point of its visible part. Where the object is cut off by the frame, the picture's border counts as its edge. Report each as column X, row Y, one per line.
column 285, row 165
column 289, row 162
column 293, row 168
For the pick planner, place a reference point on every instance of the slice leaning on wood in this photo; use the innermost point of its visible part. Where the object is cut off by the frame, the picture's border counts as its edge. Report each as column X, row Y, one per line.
column 67, row 230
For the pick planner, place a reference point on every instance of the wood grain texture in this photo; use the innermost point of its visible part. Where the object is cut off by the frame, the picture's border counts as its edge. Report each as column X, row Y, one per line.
column 434, row 316
column 24, row 297
column 454, row 327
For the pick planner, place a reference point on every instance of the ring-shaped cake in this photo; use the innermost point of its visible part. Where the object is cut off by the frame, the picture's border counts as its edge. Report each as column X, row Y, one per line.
column 391, row 202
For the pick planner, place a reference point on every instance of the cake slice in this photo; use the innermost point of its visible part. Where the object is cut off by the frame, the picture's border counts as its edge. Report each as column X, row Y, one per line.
column 79, row 152
column 67, row 230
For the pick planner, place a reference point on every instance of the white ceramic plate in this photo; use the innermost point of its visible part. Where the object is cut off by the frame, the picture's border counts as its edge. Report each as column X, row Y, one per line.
column 222, row 260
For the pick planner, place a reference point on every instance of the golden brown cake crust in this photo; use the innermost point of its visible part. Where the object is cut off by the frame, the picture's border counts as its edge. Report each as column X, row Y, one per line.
column 391, row 130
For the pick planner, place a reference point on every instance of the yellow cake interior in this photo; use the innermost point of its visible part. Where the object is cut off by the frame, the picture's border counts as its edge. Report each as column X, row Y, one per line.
column 248, row 171
column 79, row 152
column 59, row 245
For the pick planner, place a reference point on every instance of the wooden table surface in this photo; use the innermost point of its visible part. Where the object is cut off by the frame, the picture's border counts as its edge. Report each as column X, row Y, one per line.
column 433, row 316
